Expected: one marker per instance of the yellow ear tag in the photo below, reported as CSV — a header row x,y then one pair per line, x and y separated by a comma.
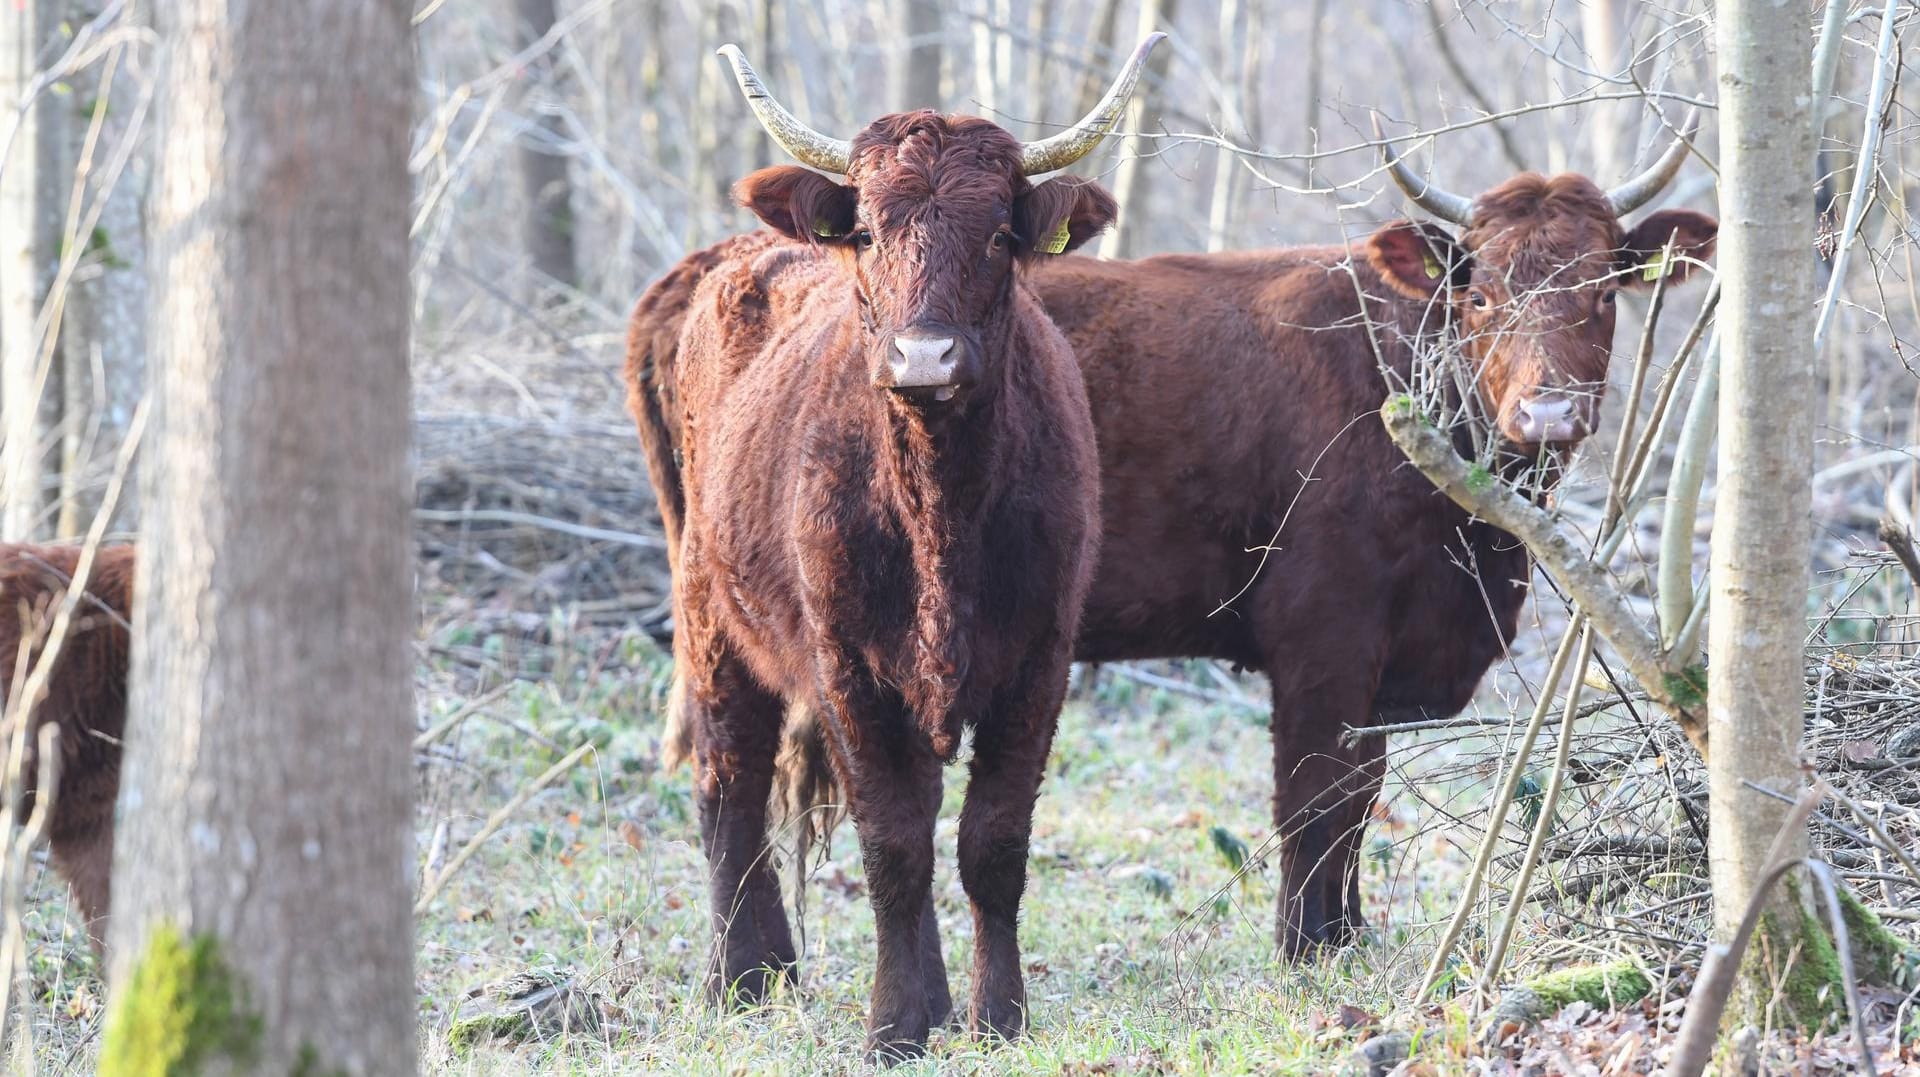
x,y
1656,266
1057,242
1433,266
824,229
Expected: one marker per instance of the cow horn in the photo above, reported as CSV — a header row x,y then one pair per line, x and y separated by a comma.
x,y
805,144
1055,152
1640,190
1442,203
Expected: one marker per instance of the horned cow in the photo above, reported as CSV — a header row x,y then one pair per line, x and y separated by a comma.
x,y
1256,511
884,486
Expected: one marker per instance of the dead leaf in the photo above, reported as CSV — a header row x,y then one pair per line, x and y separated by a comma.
x,y
631,833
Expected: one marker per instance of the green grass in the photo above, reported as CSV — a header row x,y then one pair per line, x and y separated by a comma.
x,y
1146,951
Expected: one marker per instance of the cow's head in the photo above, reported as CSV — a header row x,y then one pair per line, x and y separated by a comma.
x,y
935,218
1532,278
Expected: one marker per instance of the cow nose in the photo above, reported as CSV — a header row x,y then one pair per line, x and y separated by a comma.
x,y
922,362
1546,420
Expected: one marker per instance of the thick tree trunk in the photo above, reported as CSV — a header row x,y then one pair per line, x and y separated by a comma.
x,y
1761,531
32,195
549,228
265,837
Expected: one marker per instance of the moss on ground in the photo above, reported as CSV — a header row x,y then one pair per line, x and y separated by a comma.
x,y
1603,987
182,1009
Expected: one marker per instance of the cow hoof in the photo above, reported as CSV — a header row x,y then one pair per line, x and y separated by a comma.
x,y
885,1050
899,1037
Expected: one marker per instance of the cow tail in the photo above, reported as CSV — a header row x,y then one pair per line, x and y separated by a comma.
x,y
806,795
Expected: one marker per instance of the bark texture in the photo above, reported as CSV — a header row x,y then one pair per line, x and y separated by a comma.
x,y
1761,531
262,874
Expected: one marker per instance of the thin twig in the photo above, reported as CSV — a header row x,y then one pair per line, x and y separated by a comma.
x,y
494,823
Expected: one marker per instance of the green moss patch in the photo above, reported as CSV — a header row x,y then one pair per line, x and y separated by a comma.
x,y
1604,987
182,1009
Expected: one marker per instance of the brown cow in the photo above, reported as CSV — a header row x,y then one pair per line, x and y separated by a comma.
x,y
85,699
1255,510
1221,383
886,508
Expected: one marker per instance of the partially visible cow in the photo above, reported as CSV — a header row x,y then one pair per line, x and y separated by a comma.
x,y
1234,397
85,700
882,495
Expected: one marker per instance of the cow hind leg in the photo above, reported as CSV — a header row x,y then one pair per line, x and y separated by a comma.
x,y
85,861
736,732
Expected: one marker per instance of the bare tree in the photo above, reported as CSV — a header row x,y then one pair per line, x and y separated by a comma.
x,y
548,228
103,342
31,196
917,84
1762,529
1131,187
262,874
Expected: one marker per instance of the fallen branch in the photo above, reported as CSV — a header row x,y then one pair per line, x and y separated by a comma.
x,y
1677,690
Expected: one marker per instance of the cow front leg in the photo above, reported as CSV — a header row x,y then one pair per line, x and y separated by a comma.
x,y
1319,799
896,844
736,726
933,964
996,825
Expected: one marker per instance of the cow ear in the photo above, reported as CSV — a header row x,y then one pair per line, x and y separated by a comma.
x,y
1418,259
1644,258
798,202
1061,214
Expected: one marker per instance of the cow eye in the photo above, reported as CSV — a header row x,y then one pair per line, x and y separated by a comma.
x,y
1478,298
999,240
1607,296
863,239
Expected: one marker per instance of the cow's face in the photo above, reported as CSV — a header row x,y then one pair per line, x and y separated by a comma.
x,y
933,222
1532,283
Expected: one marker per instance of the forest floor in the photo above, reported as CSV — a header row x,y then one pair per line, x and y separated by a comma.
x,y
1146,951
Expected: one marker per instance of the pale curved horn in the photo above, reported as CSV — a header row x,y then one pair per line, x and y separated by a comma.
x,y
1436,200
1058,151
805,144
1640,190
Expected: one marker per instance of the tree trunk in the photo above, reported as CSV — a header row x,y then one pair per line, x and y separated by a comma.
x,y
263,863
549,227
1761,533
918,83
1126,237
32,195
1603,33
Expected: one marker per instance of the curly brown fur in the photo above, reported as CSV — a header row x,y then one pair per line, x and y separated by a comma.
x,y
85,699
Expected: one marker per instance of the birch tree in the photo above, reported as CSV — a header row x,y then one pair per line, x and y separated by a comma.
x,y
262,875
